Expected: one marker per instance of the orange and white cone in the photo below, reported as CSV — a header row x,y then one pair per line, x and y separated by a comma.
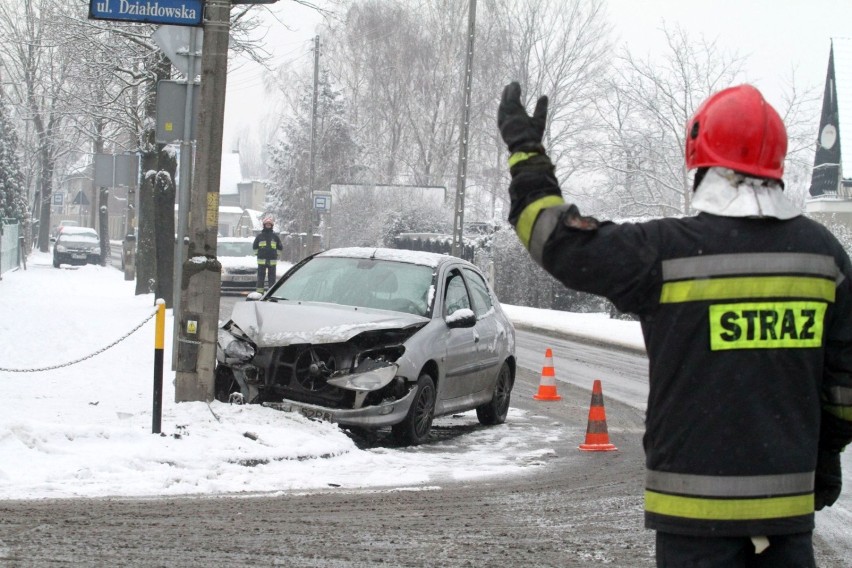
x,y
597,437
547,385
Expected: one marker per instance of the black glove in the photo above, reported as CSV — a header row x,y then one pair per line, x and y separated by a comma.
x,y
520,131
829,479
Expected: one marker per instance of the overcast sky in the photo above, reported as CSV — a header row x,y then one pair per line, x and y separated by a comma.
x,y
777,36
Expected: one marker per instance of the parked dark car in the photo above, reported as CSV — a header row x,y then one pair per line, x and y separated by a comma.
x,y
370,338
76,245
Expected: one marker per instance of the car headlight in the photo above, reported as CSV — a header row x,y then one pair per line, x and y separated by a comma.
x,y
96,250
366,381
60,248
234,348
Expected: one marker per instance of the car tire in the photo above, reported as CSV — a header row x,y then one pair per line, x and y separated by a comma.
x,y
495,410
415,428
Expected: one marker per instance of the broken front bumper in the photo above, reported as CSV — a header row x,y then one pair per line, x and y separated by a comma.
x,y
374,416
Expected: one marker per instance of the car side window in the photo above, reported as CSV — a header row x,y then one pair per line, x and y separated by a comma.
x,y
479,291
456,297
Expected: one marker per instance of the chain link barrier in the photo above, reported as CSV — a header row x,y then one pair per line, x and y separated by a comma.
x,y
98,352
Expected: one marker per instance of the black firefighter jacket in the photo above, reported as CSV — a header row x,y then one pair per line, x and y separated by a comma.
x,y
748,329
267,244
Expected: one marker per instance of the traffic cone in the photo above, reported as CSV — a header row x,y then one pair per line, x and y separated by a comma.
x,y
597,438
547,385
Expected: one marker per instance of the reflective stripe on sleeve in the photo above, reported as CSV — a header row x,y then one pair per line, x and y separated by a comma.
x,y
842,412
740,288
840,396
544,225
528,217
518,157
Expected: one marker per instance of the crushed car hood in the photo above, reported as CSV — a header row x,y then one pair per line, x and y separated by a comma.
x,y
277,324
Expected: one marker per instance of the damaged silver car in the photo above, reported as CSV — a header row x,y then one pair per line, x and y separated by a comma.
x,y
370,338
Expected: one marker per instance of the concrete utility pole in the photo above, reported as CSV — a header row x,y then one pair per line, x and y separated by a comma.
x,y
200,283
458,218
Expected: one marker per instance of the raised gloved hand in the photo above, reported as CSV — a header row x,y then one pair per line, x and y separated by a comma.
x,y
520,131
829,479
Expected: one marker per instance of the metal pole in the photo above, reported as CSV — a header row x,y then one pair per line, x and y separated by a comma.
x,y
184,189
458,218
159,335
310,205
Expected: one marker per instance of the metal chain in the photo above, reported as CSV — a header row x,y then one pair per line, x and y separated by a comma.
x,y
98,352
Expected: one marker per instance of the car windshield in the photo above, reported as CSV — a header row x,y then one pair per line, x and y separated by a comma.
x,y
243,248
360,282
78,239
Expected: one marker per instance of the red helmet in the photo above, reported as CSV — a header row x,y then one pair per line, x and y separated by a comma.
x,y
736,128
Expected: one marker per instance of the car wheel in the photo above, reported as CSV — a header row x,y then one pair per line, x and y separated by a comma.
x,y
494,411
415,428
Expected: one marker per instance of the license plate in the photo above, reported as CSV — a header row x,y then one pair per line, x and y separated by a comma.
x,y
246,278
313,413
78,256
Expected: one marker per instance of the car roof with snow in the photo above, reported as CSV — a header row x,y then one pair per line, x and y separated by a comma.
x,y
432,259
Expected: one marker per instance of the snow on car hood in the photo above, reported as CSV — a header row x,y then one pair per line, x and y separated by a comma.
x,y
276,324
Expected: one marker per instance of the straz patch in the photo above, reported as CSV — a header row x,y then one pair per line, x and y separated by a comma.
x,y
766,325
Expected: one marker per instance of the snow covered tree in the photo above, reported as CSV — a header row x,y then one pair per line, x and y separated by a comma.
x,y
13,199
336,156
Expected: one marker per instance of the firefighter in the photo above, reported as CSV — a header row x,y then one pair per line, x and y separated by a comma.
x,y
746,312
266,246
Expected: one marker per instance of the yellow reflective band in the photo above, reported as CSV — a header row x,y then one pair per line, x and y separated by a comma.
x,y
766,325
520,157
843,412
729,509
526,222
748,287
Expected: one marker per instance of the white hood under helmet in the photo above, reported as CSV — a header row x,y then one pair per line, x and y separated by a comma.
x,y
727,193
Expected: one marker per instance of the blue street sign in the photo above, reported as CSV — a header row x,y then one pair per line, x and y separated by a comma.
x,y
174,12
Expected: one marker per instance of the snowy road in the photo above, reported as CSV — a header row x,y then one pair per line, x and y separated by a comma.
x,y
625,378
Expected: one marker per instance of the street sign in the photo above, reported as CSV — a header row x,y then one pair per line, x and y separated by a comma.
x,y
171,112
174,12
175,42
112,170
322,201
58,198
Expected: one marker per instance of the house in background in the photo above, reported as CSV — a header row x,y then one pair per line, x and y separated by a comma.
x,y
234,190
831,181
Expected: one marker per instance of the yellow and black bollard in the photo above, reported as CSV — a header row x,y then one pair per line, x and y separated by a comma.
x,y
159,340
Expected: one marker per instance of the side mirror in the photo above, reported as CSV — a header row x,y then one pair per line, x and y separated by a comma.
x,y
53,239
461,318
253,296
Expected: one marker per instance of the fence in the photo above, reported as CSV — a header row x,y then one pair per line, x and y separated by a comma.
x,y
10,249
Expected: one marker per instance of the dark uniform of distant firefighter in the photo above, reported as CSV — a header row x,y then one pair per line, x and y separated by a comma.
x,y
266,244
746,312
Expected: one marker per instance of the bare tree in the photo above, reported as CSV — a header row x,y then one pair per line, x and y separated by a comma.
x,y
38,63
644,115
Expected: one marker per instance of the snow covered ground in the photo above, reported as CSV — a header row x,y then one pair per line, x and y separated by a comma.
x,y
77,419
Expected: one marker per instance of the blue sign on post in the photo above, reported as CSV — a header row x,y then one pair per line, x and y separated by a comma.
x,y
174,12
